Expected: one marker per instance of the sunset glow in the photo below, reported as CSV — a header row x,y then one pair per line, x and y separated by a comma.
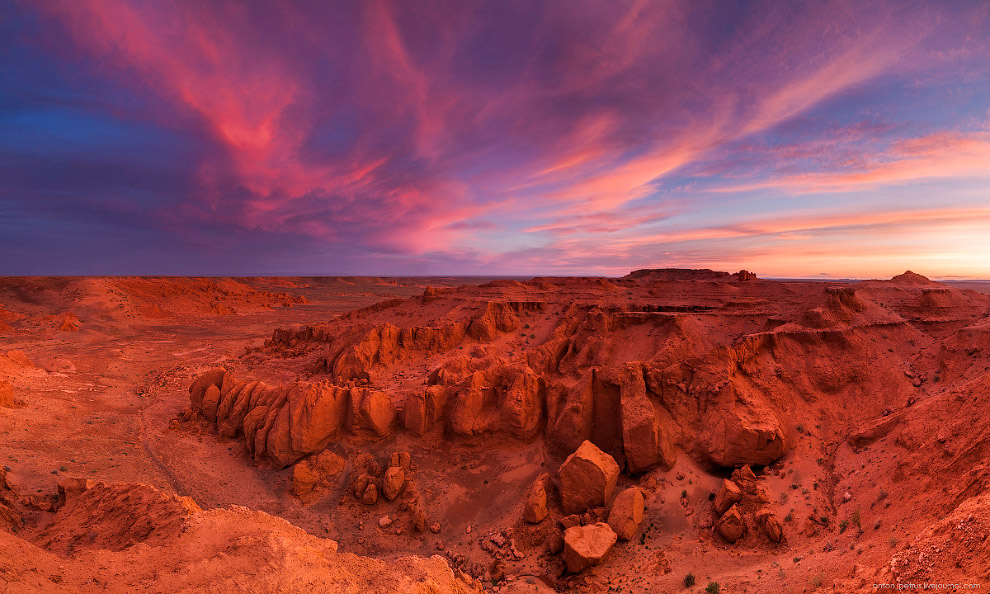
x,y
837,139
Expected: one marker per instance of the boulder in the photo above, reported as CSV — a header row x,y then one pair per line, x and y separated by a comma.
x,y
317,471
587,478
585,546
626,515
418,517
770,524
361,484
395,477
731,525
327,464
536,501
727,496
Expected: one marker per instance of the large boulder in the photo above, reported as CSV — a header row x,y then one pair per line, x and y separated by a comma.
x,y
731,525
587,479
728,495
585,546
626,515
741,428
536,501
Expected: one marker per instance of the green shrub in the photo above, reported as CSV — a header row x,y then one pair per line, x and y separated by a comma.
x,y
689,580
713,588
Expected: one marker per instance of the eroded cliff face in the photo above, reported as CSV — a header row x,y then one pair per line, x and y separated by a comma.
x,y
647,367
727,371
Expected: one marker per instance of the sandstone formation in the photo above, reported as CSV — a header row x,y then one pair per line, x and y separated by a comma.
x,y
585,546
587,479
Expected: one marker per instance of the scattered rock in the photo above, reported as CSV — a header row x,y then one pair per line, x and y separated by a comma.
x,y
772,528
587,478
370,496
731,525
569,521
536,501
585,546
728,495
626,514
435,527
361,484
384,522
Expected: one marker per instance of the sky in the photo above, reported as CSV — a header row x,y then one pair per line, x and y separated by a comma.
x,y
795,139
